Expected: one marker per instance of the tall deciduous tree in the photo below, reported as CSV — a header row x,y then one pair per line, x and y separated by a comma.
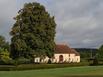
x,y
33,32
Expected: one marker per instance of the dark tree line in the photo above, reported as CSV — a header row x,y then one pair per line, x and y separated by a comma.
x,y
87,53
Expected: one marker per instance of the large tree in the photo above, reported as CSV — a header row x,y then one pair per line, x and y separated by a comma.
x,y
33,32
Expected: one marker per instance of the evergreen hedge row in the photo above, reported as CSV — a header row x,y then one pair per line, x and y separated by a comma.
x,y
38,66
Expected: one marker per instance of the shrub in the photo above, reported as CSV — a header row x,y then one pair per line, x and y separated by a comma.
x,y
22,60
49,61
95,61
6,61
5,56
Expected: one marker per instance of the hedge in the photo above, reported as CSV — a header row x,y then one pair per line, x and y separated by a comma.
x,y
38,66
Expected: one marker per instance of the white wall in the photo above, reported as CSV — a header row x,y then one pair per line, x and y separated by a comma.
x,y
56,56
45,60
77,59
37,60
66,58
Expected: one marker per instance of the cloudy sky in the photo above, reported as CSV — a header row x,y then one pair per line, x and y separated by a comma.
x,y
79,22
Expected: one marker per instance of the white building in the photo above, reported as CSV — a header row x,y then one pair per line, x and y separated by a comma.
x,y
63,54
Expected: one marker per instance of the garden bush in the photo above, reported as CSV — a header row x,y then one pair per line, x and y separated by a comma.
x,y
5,61
22,60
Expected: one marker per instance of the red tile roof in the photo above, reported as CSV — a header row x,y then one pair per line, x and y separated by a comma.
x,y
64,49
76,53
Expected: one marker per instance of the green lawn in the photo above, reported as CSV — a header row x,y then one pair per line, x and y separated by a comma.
x,y
84,71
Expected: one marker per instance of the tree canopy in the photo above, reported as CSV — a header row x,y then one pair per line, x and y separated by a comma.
x,y
4,51
33,32
3,43
100,53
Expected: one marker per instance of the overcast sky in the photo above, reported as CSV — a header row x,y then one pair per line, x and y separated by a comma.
x,y
79,22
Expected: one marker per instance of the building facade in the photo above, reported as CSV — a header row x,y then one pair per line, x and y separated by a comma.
x,y
65,54
62,54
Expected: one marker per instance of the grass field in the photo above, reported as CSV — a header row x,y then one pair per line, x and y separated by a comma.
x,y
84,71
